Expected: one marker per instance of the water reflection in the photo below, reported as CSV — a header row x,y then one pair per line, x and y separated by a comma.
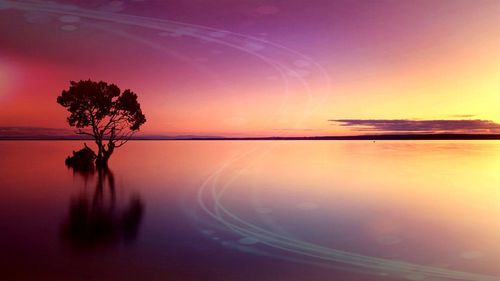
x,y
96,219
351,211
216,199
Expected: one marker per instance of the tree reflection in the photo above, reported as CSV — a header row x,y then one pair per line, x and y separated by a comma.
x,y
96,219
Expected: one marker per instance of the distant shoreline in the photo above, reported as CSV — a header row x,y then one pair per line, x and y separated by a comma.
x,y
358,137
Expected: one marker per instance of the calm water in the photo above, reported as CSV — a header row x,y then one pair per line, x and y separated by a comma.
x,y
223,210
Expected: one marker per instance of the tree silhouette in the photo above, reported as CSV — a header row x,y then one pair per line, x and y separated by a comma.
x,y
102,111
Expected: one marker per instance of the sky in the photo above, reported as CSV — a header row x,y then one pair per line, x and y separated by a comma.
x,y
241,68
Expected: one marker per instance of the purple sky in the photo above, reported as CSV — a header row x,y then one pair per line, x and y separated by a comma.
x,y
255,68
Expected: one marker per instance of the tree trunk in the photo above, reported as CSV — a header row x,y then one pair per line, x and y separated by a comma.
x,y
100,149
99,161
105,155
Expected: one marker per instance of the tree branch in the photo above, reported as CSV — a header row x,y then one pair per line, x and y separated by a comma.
x,y
123,140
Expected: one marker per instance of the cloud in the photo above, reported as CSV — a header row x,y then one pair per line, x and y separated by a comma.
x,y
33,132
420,126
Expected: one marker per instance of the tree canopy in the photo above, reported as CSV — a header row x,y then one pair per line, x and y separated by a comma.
x,y
105,113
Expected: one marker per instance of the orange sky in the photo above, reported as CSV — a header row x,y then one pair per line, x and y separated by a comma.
x,y
245,69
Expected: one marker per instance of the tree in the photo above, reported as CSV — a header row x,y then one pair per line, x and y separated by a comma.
x,y
102,111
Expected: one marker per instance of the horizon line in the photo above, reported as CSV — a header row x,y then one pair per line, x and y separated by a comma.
x,y
412,136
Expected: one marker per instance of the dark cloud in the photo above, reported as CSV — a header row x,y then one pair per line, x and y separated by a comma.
x,y
420,126
33,132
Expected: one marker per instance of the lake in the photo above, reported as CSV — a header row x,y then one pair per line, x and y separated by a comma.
x,y
253,210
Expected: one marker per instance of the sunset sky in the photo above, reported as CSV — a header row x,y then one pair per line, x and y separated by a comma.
x,y
259,67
